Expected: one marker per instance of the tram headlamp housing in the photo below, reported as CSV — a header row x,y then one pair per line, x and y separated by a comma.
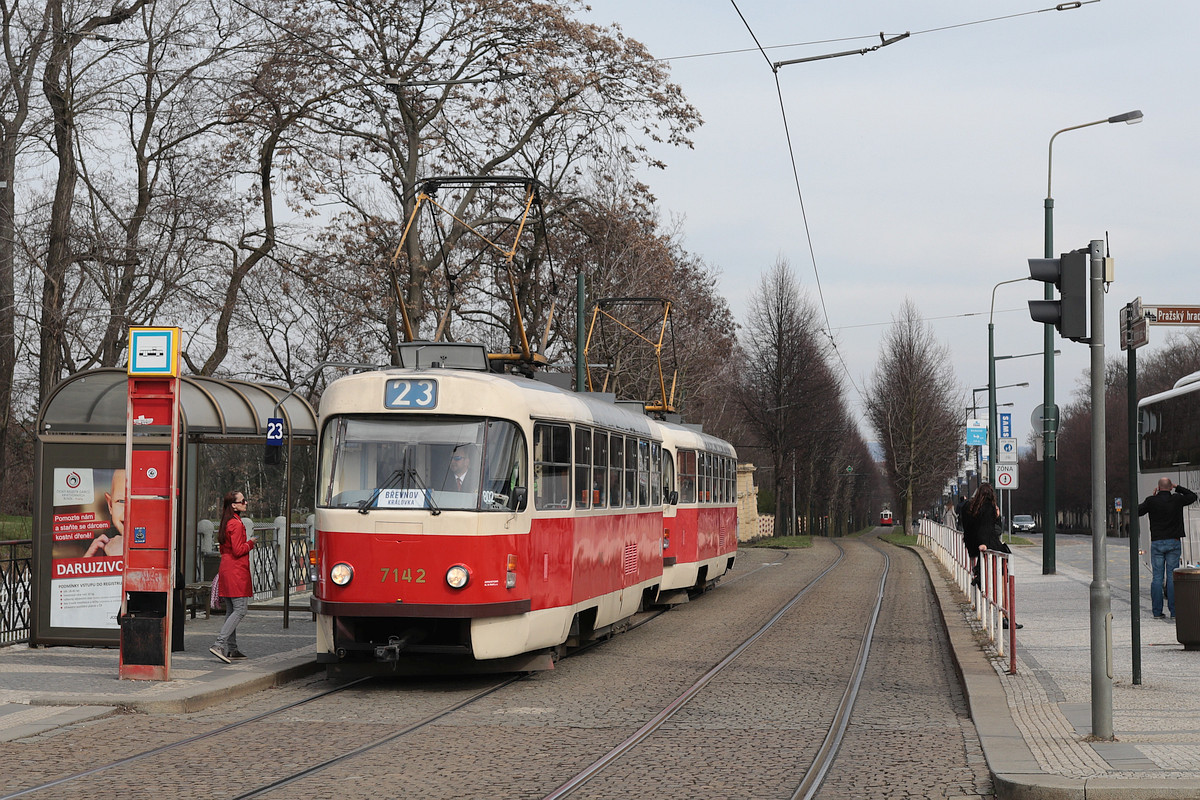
x,y
341,573
457,576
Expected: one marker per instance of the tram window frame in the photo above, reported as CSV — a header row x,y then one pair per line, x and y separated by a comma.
x,y
631,449
643,465
583,467
656,496
616,447
552,466
687,476
600,469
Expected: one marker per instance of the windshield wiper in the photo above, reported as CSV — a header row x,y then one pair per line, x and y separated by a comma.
x,y
416,478
390,483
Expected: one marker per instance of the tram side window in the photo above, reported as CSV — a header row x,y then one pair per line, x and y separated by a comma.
x,y
655,474
730,480
583,466
617,459
600,469
706,477
551,466
718,479
643,464
668,476
630,472
687,476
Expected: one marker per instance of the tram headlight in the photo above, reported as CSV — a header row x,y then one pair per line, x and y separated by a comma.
x,y
457,576
341,573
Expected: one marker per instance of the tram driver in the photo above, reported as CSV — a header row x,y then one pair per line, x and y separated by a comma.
x,y
460,477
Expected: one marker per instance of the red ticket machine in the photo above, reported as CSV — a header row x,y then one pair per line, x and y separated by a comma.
x,y
151,456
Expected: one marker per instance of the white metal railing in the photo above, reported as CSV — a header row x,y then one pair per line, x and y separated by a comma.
x,y
993,598
270,569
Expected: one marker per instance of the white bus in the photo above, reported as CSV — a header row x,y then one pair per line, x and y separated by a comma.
x,y
1169,445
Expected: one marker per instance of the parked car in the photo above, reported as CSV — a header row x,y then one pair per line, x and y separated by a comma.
x,y
1022,523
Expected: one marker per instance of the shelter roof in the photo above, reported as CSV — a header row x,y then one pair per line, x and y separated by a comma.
x,y
96,402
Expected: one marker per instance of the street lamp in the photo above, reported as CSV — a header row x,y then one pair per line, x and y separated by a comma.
x,y
1049,417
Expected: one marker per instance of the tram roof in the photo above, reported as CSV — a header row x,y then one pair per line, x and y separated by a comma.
x,y
489,394
690,436
96,402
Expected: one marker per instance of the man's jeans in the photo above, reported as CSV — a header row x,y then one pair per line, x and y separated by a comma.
x,y
1164,557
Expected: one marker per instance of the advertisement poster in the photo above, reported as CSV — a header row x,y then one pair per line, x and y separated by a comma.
x,y
87,547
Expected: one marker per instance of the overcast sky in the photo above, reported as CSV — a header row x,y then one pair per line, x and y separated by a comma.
x,y
923,165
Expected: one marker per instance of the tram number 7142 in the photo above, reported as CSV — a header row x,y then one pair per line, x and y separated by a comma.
x,y
406,575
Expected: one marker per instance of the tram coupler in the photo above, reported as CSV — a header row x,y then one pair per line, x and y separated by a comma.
x,y
395,646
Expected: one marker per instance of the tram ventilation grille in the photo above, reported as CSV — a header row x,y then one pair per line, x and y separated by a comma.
x,y
721,537
629,559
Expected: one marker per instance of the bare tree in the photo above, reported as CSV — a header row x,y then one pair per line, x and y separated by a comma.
x,y
25,33
70,25
788,391
912,403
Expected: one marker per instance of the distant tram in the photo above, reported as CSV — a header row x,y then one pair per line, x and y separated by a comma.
x,y
1169,446
885,517
474,521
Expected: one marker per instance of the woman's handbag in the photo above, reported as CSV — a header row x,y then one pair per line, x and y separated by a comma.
x,y
214,598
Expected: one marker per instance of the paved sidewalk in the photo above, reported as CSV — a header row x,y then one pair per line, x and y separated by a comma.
x,y
1035,726
44,688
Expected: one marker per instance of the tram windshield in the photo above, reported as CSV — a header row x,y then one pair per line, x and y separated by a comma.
x,y
463,463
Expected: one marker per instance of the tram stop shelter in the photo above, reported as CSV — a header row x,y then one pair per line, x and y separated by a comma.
x,y
79,490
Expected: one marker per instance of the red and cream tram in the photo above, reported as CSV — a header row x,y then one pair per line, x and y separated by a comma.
x,y
474,520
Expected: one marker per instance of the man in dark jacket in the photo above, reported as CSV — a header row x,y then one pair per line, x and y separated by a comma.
x,y
1165,508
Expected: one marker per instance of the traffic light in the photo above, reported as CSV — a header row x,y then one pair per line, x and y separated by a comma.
x,y
1069,313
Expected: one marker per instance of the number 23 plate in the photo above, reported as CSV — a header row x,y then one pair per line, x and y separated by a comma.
x,y
405,393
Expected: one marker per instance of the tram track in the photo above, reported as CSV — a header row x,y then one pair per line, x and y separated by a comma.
x,y
354,750
826,753
641,619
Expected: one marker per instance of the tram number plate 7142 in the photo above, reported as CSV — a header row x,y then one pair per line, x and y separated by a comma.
x,y
399,575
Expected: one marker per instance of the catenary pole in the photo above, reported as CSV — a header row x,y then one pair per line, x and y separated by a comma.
x,y
1099,596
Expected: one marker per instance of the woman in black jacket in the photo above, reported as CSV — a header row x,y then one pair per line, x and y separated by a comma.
x,y
979,529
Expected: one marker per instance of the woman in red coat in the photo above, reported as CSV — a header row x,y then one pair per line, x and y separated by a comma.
x,y
233,578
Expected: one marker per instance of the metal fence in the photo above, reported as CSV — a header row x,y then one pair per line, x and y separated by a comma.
x,y
267,563
16,571
993,598
16,587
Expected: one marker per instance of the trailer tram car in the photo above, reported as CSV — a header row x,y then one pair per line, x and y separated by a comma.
x,y
563,526
1169,446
